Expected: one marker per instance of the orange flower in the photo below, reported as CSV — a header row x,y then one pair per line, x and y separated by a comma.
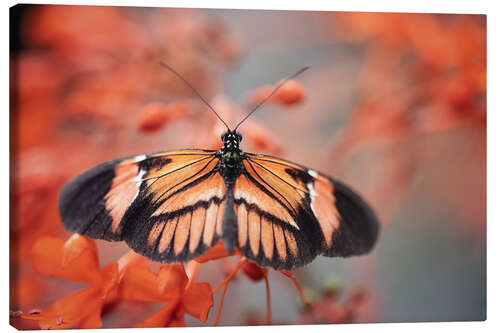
x,y
155,115
75,260
172,285
253,271
291,93
218,251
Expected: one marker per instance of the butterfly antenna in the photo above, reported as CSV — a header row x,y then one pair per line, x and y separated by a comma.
x,y
195,91
272,93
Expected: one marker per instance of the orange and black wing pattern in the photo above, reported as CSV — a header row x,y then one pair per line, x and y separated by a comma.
x,y
167,206
287,214
175,205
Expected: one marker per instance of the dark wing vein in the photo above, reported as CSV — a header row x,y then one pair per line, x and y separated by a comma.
x,y
182,181
281,195
84,231
283,180
287,164
154,155
180,168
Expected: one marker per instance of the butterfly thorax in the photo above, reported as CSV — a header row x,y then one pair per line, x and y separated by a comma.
x,y
230,155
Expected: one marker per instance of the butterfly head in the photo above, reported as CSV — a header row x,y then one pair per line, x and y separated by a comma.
x,y
231,140
231,149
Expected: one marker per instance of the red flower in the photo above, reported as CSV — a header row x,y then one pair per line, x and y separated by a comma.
x,y
75,260
171,285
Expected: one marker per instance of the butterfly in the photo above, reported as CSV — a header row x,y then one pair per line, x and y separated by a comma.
x,y
173,206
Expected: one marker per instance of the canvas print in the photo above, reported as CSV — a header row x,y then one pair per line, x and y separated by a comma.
x,y
200,167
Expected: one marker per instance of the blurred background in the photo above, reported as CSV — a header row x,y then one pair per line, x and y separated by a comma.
x,y
394,105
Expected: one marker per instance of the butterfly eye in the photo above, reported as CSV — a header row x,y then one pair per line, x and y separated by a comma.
x,y
240,137
224,135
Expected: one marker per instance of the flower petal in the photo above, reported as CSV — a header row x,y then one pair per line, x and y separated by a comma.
x,y
253,271
71,310
138,283
160,318
131,258
177,319
45,255
80,248
92,321
171,277
217,251
54,257
198,300
110,279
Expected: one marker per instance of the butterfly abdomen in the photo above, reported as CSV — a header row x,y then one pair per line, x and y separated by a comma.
x,y
229,224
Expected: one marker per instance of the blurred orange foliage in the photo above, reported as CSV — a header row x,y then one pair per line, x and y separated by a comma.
x,y
155,115
292,92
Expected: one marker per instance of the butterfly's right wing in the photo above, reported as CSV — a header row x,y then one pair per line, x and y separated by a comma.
x,y
167,206
287,214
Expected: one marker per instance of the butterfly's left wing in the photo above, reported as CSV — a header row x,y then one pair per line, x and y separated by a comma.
x,y
167,206
287,214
